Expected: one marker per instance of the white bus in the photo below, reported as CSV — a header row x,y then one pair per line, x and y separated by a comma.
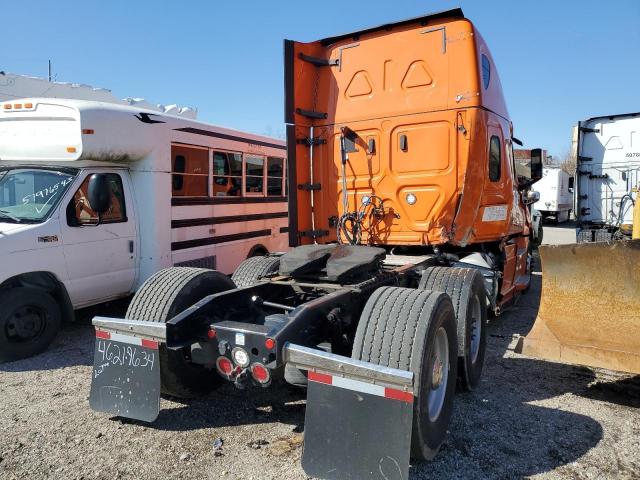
x,y
181,193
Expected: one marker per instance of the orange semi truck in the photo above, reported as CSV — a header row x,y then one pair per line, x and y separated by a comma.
x,y
409,223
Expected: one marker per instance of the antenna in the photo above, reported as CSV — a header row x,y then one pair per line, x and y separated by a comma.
x,y
49,69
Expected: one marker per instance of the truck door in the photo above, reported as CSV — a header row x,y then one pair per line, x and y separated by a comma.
x,y
100,258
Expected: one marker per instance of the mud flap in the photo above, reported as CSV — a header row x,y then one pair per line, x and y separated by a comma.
x,y
126,376
358,417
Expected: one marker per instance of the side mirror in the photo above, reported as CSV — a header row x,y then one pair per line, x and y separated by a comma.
x,y
531,197
99,193
536,164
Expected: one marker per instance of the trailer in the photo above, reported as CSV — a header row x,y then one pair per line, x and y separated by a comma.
x,y
608,171
409,224
556,194
180,193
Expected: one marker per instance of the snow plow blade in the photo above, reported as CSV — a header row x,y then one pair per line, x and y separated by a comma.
x,y
590,306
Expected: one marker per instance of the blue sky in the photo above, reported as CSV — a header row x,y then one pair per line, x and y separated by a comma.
x,y
559,61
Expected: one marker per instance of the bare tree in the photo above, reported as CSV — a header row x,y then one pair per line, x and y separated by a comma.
x,y
567,161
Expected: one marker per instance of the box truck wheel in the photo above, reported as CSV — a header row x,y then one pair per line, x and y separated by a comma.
x,y
465,286
160,298
415,330
252,269
29,321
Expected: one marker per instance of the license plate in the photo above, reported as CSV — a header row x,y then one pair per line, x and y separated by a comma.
x,y
126,376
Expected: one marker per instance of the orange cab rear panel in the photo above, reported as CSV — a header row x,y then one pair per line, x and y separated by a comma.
x,y
425,103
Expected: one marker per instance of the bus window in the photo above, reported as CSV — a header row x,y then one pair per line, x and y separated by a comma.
x,y
227,174
189,171
254,172
275,170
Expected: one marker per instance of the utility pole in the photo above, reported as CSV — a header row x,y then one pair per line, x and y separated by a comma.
x,y
49,69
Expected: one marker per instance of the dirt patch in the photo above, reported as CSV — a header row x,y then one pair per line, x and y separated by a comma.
x,y
528,419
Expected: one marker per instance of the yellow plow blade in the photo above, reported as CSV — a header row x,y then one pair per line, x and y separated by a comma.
x,y
590,306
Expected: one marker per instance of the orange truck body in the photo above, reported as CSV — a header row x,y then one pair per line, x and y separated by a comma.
x,y
425,101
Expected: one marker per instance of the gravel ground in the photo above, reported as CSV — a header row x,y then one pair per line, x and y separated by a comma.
x,y
528,419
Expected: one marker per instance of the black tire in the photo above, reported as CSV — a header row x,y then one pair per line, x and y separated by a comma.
x,y
538,241
397,329
159,299
252,269
29,321
466,288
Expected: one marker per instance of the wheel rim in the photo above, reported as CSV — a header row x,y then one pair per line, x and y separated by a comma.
x,y
439,366
476,329
26,324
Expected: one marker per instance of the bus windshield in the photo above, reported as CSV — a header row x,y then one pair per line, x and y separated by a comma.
x,y
28,195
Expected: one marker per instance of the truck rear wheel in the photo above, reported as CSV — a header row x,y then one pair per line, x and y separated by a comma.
x,y
29,321
159,299
252,269
414,330
465,286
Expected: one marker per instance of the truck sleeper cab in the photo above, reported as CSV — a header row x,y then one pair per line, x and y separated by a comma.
x,y
163,177
408,221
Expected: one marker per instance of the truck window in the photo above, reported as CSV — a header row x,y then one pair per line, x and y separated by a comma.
x,y
81,213
254,174
494,159
486,71
275,169
189,172
227,174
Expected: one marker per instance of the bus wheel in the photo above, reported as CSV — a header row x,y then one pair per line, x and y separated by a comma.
x,y
29,321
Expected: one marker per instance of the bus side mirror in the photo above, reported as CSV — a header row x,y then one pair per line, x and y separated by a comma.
x,y
99,193
536,164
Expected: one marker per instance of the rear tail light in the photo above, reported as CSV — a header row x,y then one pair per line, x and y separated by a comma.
x,y
260,373
224,366
211,333
270,343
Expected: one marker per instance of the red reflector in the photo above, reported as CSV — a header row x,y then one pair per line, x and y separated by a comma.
x,y
150,344
224,366
270,343
398,395
103,334
88,131
211,333
260,373
320,377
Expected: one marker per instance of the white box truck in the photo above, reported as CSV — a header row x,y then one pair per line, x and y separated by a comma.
x,y
556,194
96,197
608,171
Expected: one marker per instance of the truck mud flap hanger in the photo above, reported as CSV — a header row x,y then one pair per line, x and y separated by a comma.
x,y
358,416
